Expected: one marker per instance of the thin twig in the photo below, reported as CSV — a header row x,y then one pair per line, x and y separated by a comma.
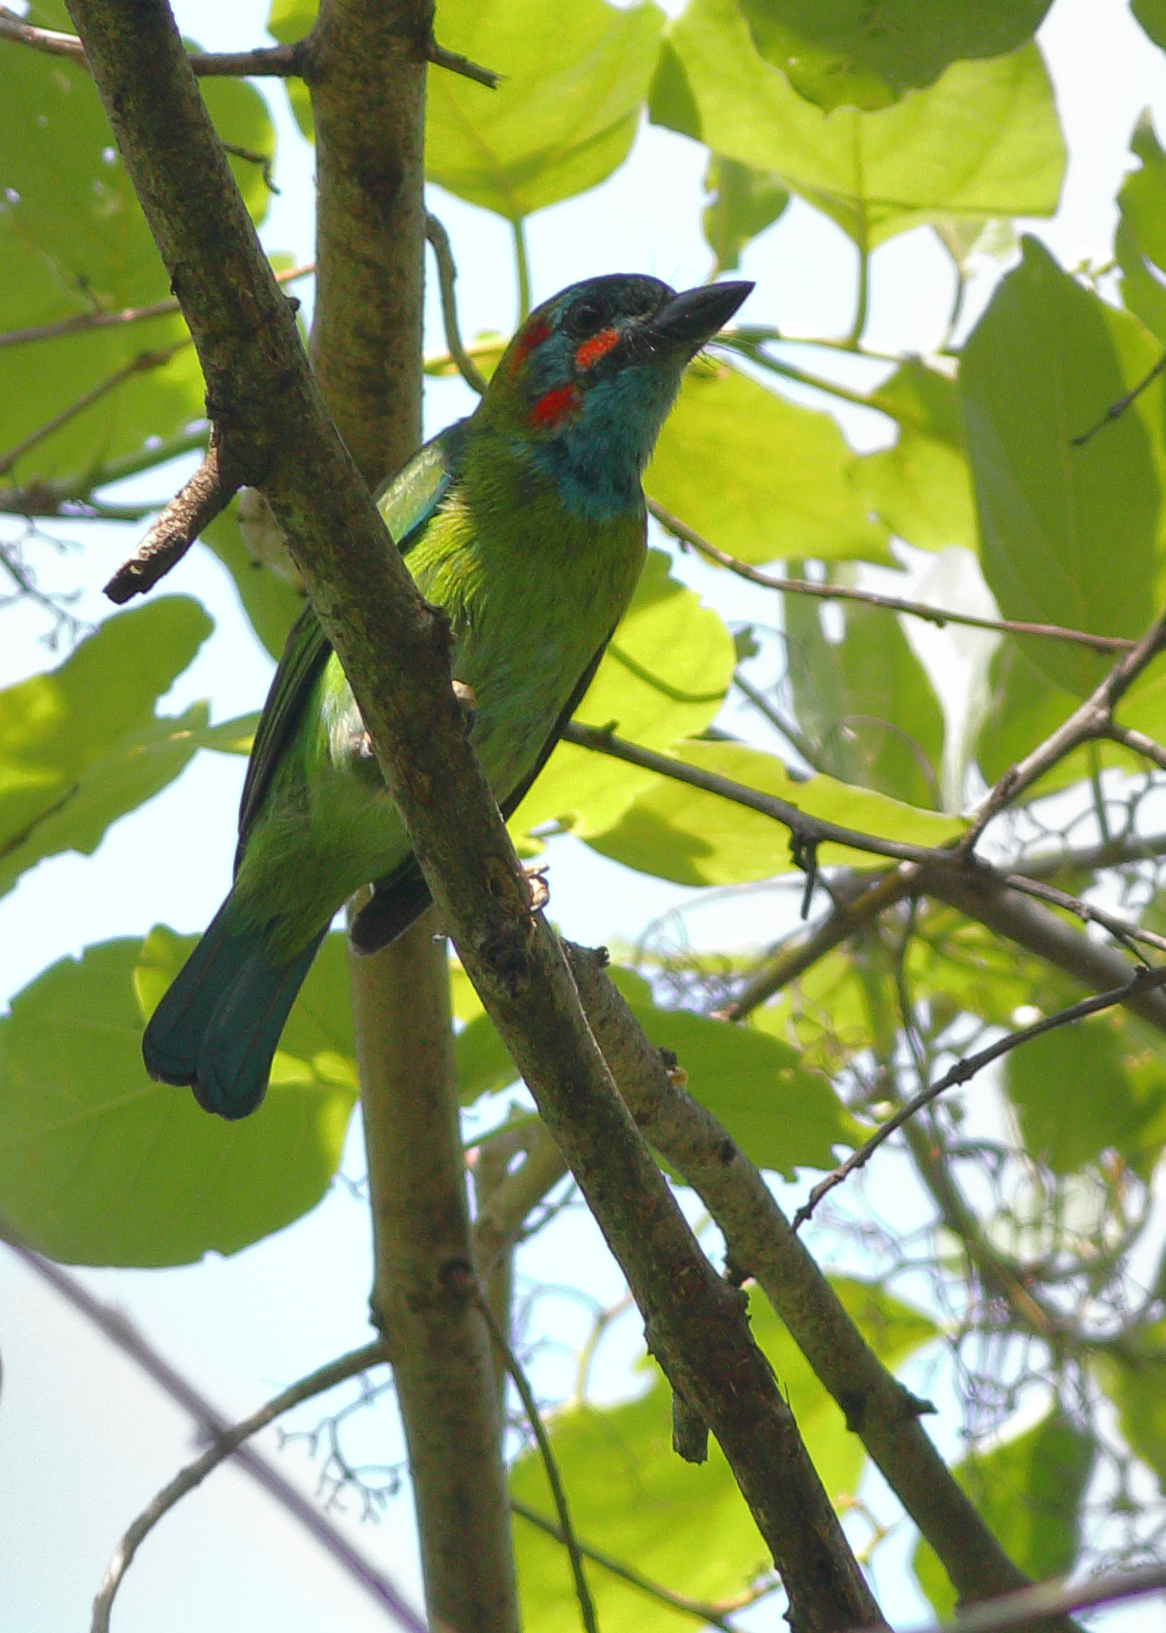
x,y
1046,1600
1143,981
326,1377
554,1480
447,277
137,365
1117,409
209,491
265,161
713,1615
912,609
1093,719
121,1332
457,64
84,321
806,831
270,61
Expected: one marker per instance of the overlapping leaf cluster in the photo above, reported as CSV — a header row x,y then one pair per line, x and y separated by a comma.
x,y
1000,445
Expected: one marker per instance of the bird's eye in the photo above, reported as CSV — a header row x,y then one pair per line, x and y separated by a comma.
x,y
585,318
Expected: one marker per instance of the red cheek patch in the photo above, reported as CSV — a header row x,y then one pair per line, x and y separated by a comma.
x,y
554,407
598,346
536,331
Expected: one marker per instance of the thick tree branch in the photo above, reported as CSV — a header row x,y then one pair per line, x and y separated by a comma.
x,y
422,1253
1042,1604
761,1243
394,651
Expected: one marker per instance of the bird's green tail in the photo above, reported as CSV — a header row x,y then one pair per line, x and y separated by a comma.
x,y
218,1026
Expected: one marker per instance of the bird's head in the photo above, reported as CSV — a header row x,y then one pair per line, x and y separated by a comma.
x,y
585,385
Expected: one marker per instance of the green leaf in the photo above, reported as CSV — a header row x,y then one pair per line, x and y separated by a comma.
x,y
1134,1378
1041,367
742,203
81,745
693,838
663,677
272,605
921,489
681,1523
98,1165
1141,233
855,53
575,76
865,702
1115,1105
781,486
1152,16
982,142
72,239
1029,1491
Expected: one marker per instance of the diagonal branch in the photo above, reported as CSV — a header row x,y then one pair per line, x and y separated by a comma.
x,y
1045,1601
761,1243
394,650
1143,981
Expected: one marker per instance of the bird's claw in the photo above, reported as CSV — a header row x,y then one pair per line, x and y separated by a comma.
x,y
540,891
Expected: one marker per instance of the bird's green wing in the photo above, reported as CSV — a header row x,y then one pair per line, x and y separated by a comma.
x,y
406,502
402,896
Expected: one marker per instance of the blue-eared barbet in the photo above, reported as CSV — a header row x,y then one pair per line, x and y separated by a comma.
x,y
526,524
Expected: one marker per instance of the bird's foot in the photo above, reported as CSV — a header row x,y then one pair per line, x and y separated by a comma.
x,y
540,891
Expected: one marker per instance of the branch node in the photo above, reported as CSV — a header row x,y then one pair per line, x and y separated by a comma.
x,y
457,64
690,1434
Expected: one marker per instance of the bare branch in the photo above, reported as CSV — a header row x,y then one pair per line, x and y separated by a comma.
x,y
502,1214
209,491
327,1377
868,598
550,1466
84,321
760,1243
1143,981
447,277
1047,1600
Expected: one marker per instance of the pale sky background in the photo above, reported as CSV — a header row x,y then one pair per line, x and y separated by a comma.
x,y
84,1440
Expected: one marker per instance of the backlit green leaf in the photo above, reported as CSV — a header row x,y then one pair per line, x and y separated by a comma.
x,y
742,203
1134,1378
865,702
982,141
575,76
99,1165
81,745
1042,367
1141,233
781,485
270,602
694,838
854,53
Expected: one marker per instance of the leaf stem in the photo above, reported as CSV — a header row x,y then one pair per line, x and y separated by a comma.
x,y
522,269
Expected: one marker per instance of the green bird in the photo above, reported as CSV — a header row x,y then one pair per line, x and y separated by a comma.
x,y
526,524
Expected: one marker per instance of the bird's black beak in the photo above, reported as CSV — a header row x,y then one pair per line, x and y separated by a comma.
x,y
693,317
